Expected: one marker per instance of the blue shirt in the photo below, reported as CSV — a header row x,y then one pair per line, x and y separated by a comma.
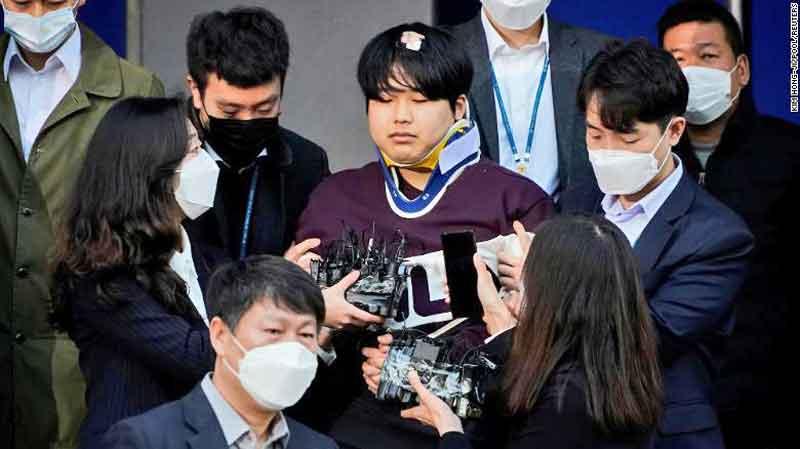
x,y
634,220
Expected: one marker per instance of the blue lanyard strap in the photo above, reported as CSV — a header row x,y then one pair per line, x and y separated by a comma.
x,y
534,114
248,214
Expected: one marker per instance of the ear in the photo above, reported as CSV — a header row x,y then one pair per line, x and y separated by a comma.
x,y
743,70
676,130
461,107
194,90
218,335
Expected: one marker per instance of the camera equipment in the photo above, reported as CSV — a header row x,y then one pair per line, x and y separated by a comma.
x,y
381,283
461,384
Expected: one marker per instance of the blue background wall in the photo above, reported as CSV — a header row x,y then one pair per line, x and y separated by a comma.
x,y
767,33
108,19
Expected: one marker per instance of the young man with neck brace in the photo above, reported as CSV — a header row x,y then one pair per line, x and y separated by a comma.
x,y
527,69
265,319
57,80
428,178
692,250
751,163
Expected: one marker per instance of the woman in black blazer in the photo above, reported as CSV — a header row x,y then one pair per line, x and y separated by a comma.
x,y
580,365
127,287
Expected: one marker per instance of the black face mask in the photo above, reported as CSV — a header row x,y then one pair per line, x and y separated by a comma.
x,y
239,142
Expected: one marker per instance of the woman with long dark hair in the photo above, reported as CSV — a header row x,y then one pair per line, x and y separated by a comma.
x,y
582,367
127,287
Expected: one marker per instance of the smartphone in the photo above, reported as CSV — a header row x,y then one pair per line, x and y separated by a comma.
x,y
462,279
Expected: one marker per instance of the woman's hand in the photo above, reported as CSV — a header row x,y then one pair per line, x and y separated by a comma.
x,y
372,366
431,410
496,314
509,266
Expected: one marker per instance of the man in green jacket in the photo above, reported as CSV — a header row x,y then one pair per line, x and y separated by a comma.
x,y
58,79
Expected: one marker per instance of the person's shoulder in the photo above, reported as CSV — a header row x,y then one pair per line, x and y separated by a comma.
x,y
581,33
504,182
304,437
303,149
713,223
590,40
580,198
713,212
466,29
122,280
156,428
782,130
136,80
351,180
136,75
492,171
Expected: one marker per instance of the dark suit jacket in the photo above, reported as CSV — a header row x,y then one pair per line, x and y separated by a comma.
x,y
135,355
286,178
571,51
190,423
693,258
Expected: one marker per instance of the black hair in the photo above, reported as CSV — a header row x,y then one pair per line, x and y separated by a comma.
x,y
236,286
634,81
705,11
122,215
584,303
440,70
246,47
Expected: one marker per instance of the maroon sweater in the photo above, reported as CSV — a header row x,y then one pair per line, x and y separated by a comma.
x,y
485,198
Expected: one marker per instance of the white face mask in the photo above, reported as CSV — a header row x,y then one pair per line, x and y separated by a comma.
x,y
623,172
197,185
709,93
516,14
276,375
40,34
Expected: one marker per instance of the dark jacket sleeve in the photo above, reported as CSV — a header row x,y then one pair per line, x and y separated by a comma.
x,y
698,295
139,325
454,440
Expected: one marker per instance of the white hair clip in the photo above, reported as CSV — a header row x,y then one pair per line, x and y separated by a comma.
x,y
412,40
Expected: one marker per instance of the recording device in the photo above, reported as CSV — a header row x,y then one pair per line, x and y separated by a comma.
x,y
462,278
382,279
460,383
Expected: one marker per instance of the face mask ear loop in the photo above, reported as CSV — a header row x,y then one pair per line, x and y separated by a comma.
x,y
241,348
655,149
740,89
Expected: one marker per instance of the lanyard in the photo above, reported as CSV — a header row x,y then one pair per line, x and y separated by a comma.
x,y
534,114
248,214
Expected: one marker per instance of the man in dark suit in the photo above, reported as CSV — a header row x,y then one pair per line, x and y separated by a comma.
x,y
751,163
237,71
692,249
264,325
534,62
